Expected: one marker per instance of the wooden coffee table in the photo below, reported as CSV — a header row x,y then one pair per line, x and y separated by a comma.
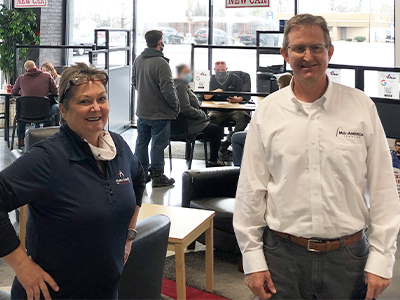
x,y
187,224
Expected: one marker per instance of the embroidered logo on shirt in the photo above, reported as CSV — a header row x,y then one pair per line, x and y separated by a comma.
x,y
348,134
122,179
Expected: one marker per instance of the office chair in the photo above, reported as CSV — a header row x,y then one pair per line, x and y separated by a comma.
x,y
180,133
31,110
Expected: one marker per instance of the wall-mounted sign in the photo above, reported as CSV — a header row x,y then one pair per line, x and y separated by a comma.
x,y
30,3
246,3
388,85
202,80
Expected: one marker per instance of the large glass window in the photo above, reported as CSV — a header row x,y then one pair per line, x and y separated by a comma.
x,y
239,26
92,14
179,22
362,30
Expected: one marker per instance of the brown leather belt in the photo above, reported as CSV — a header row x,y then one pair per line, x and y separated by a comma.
x,y
319,245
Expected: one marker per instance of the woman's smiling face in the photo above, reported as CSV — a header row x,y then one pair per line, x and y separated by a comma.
x,y
88,110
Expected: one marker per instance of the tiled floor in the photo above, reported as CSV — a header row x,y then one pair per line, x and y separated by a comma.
x,y
172,196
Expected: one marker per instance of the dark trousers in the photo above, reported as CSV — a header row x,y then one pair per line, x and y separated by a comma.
x,y
238,141
158,131
240,117
300,274
214,133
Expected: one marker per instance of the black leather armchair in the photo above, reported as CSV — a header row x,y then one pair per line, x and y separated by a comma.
x,y
143,273
214,189
32,136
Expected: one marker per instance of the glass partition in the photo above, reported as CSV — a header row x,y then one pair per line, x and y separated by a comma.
x,y
89,15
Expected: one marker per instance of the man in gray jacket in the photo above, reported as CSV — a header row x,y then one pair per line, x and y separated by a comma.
x,y
157,105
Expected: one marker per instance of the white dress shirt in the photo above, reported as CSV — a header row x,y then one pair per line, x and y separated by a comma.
x,y
323,172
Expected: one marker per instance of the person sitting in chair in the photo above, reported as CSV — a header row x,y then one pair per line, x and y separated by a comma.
x,y
33,83
239,138
198,121
224,81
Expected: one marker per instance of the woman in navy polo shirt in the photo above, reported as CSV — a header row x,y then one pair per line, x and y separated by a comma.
x,y
84,188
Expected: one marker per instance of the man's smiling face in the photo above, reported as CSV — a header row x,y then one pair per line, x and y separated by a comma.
x,y
308,66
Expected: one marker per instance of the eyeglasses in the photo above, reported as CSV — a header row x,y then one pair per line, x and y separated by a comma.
x,y
83,79
220,63
314,48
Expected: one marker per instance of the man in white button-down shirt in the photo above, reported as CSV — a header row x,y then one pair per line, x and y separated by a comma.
x,y
316,173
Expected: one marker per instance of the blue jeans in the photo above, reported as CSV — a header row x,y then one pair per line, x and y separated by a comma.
x,y
238,140
158,132
4,295
54,111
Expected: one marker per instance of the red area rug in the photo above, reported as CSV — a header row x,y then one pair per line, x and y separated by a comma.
x,y
169,290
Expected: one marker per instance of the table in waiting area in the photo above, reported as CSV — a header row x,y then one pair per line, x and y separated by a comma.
x,y
6,117
187,224
225,105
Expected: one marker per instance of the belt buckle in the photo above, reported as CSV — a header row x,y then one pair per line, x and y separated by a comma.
x,y
313,241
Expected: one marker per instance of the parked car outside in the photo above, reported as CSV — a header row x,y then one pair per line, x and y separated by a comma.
x,y
171,35
266,40
220,37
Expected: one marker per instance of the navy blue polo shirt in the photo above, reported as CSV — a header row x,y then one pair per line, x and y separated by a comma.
x,y
78,215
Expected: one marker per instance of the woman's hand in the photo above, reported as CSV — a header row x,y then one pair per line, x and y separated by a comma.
x,y
128,247
34,279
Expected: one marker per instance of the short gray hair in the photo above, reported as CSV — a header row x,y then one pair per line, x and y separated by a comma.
x,y
29,64
305,20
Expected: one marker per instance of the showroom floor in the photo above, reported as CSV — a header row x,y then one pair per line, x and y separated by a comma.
x,y
166,196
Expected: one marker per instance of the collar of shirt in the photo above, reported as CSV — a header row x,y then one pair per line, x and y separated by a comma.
x,y
321,102
76,147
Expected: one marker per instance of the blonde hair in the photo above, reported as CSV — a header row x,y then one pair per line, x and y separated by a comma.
x,y
51,69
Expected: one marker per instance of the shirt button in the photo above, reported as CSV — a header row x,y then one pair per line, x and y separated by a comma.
x,y
312,118
316,193
315,167
313,142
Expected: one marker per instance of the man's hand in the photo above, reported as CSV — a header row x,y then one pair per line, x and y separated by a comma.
x,y
128,247
260,283
235,99
34,279
218,90
376,285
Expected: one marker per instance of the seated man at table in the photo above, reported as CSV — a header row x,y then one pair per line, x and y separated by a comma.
x,y
224,81
34,83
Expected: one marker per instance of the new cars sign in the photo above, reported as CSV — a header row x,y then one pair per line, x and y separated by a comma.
x,y
30,3
246,3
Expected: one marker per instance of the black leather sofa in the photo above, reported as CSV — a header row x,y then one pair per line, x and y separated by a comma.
x,y
214,189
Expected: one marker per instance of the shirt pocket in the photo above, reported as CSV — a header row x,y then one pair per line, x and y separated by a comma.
x,y
349,160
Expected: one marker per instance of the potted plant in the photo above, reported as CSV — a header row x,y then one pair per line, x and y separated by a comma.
x,y
17,26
